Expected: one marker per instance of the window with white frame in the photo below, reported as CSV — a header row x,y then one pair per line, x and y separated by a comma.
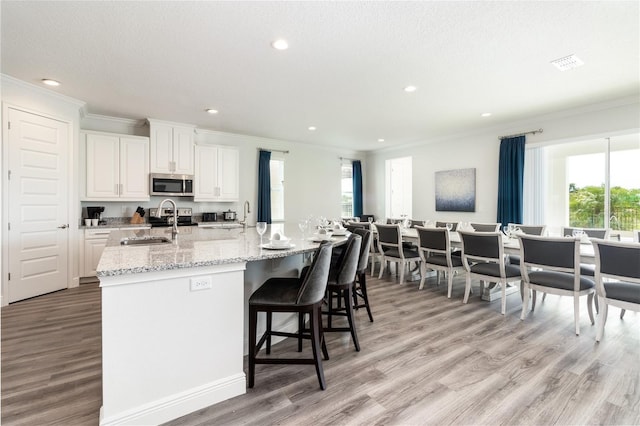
x,y
277,189
346,206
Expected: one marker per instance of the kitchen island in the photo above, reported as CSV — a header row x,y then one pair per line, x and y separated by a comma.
x,y
173,317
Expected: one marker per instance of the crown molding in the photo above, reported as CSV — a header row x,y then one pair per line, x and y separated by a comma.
x,y
7,79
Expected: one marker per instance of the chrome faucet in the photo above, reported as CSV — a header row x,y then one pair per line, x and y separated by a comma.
x,y
246,210
174,229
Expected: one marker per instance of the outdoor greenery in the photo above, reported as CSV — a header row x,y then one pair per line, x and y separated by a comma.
x,y
586,207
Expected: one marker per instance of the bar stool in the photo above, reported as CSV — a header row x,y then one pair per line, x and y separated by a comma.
x,y
360,289
299,295
342,276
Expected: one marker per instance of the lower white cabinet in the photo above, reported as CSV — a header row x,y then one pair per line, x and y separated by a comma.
x,y
217,173
95,241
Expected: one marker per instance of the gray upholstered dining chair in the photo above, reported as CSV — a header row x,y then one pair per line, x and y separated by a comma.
x,y
454,225
434,247
360,288
485,227
602,233
552,265
539,230
617,278
483,258
391,248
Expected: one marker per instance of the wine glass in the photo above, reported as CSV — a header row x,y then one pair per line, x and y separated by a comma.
x,y
261,227
449,226
370,219
303,224
506,229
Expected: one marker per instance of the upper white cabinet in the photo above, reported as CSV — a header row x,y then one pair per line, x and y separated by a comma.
x,y
217,173
117,167
171,148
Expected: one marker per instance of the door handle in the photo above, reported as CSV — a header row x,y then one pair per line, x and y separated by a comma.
x,y
64,226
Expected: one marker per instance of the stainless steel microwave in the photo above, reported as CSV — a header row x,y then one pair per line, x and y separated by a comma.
x,y
174,185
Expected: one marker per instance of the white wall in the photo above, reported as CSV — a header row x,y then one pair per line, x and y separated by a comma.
x,y
480,150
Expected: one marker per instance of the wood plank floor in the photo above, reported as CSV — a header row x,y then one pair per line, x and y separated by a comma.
x,y
425,360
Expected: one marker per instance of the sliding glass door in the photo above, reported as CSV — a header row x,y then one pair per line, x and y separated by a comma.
x,y
588,184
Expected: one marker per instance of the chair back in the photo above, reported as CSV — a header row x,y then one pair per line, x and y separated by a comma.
x,y
352,226
454,225
389,237
315,282
530,229
347,264
365,218
617,260
392,221
600,233
482,246
485,227
433,239
636,235
414,223
559,253
365,246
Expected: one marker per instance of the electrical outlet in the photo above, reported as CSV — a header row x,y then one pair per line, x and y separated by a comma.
x,y
200,283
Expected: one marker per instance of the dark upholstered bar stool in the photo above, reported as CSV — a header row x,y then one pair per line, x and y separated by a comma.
x,y
301,295
360,289
342,276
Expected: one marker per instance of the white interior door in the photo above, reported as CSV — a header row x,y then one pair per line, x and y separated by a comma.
x,y
38,205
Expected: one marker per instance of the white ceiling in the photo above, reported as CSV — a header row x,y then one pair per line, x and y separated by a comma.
x,y
344,72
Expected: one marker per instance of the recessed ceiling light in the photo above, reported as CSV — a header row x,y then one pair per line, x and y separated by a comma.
x,y
280,44
312,128
567,63
50,82
211,111
485,114
410,89
380,140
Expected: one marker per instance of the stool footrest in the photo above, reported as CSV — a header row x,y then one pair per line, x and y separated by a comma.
x,y
285,361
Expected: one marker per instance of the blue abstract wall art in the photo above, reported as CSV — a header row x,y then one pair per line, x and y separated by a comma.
x,y
456,190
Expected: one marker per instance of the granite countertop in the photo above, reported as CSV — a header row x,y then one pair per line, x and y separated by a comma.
x,y
195,247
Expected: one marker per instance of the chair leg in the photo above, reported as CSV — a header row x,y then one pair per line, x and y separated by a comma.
x,y
300,330
253,323
504,297
349,308
525,302
467,289
589,306
595,301
576,313
533,299
363,289
449,284
325,353
401,271
423,275
316,330
622,311
330,310
602,319
269,322
382,265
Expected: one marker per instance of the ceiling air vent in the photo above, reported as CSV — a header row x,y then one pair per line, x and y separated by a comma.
x,y
568,63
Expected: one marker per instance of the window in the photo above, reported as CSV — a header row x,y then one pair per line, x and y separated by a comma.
x,y
277,189
347,190
589,184
398,187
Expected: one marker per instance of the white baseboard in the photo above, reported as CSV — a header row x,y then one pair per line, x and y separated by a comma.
x,y
179,404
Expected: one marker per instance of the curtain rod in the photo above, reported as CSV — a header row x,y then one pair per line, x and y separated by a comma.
x,y
272,150
532,132
350,159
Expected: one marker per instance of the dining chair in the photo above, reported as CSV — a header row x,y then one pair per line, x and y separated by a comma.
x,y
303,295
413,223
552,265
434,247
485,227
539,230
390,246
636,235
602,233
617,278
454,225
483,258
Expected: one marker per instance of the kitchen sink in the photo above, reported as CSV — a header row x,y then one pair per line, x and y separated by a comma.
x,y
142,241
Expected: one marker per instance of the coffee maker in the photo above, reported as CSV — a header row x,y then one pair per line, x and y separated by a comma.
x,y
95,213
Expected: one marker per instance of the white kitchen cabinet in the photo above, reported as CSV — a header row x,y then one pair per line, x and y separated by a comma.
x,y
95,240
171,148
217,173
117,167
